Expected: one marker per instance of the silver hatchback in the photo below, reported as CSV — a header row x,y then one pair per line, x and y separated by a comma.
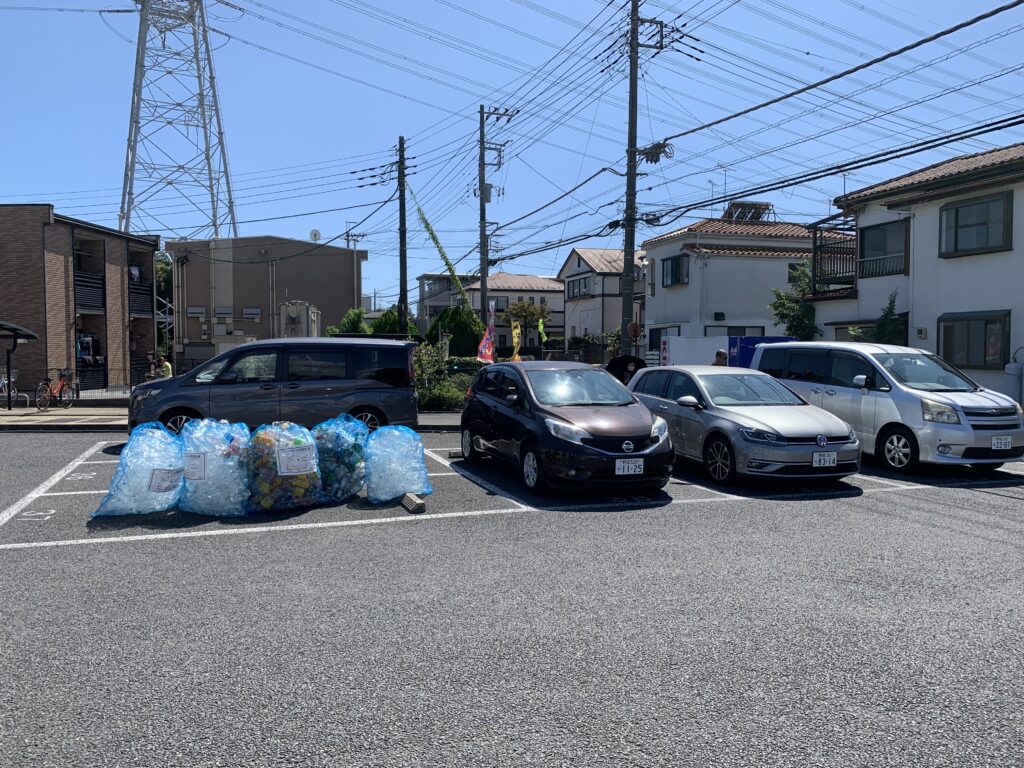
x,y
742,422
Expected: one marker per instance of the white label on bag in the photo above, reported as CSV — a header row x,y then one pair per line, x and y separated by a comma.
x,y
195,466
165,480
300,460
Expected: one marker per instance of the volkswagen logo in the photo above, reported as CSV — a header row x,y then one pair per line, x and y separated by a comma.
x,y
627,446
821,440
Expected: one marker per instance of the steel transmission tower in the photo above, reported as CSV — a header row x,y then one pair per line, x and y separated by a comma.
x,y
176,178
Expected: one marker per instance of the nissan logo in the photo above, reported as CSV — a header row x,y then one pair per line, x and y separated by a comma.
x,y
821,440
627,446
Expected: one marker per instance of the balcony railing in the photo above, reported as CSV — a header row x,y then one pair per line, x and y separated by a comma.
x,y
90,292
834,256
140,299
879,266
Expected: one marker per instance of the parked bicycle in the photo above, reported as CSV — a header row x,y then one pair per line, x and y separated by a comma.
x,y
48,393
8,386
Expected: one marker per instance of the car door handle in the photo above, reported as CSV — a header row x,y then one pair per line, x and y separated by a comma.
x,y
816,391
292,386
268,386
830,391
662,407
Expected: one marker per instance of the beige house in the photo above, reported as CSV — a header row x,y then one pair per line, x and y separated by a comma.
x,y
233,290
504,288
86,290
593,291
437,292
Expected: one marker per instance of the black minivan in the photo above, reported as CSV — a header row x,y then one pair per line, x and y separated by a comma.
x,y
302,380
565,423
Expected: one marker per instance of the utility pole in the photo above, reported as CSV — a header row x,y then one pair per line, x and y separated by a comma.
x,y
403,295
483,194
629,219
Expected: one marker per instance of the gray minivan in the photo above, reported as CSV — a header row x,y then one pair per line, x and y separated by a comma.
x,y
905,404
304,381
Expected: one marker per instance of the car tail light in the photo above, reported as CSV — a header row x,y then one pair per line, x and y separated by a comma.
x,y
469,389
411,371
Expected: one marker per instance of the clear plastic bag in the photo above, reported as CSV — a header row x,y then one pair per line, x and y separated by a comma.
x,y
216,481
282,468
340,447
149,473
395,465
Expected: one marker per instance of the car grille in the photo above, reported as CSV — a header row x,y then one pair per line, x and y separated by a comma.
x,y
614,444
991,427
832,440
989,453
999,410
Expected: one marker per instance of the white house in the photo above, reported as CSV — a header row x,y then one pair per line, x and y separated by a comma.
x,y
593,291
715,277
437,293
949,239
505,288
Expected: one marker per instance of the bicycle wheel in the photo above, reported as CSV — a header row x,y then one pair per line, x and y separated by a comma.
x,y
43,397
67,397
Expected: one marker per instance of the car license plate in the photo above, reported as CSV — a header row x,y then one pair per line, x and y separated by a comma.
x,y
1001,443
824,459
629,466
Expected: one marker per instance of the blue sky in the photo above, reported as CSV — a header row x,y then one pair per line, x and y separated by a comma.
x,y
297,121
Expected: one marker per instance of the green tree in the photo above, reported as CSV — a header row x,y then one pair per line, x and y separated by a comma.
x,y
889,328
165,291
352,322
464,327
388,323
526,314
792,311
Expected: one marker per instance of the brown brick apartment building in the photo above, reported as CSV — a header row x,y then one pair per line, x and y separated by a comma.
x,y
87,290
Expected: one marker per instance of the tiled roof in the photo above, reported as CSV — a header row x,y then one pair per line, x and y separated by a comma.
x,y
736,228
505,281
940,172
605,259
742,250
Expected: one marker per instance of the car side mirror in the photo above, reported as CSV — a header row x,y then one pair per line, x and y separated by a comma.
x,y
512,400
228,377
864,382
689,401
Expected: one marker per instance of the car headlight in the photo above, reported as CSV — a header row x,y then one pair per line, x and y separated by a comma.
x,y
659,429
852,434
1020,411
940,412
564,431
761,436
143,394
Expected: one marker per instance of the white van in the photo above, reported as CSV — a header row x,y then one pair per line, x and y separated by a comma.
x,y
905,404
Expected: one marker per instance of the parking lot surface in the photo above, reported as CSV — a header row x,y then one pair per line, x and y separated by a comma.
x,y
870,622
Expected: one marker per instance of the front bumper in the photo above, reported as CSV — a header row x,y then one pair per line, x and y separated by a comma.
x,y
795,460
963,444
566,463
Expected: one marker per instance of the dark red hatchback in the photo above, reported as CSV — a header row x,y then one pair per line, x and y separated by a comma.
x,y
565,423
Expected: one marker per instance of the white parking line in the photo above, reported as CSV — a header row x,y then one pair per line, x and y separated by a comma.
x,y
259,529
71,493
104,461
46,485
437,458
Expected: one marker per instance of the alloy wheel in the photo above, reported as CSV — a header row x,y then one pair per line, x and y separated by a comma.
x,y
898,451
175,423
531,470
719,461
370,419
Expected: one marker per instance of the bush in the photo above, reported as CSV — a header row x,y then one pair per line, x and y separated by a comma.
x,y
465,328
464,365
461,381
443,396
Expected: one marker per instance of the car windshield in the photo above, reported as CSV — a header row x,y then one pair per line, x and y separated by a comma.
x,y
924,372
747,389
210,371
583,386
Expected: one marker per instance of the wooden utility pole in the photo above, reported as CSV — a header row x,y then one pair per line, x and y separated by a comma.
x,y
482,193
629,218
403,294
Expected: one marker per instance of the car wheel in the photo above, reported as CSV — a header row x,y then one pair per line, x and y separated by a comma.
x,y
532,470
371,418
175,420
469,451
720,461
899,450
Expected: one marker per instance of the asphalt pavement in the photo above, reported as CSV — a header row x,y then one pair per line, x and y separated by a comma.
x,y
873,622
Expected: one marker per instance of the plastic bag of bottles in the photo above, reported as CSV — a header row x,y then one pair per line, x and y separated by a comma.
x,y
340,447
282,468
215,458
395,465
149,473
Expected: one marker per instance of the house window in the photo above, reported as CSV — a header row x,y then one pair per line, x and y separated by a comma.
x,y
654,339
734,330
975,339
543,300
519,299
500,303
532,300
883,250
578,287
981,225
675,270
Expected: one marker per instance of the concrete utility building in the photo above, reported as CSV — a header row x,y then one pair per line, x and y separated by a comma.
x,y
231,290
87,290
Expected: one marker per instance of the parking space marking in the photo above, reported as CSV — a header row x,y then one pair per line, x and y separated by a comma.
x,y
47,484
441,474
262,529
71,493
103,461
430,453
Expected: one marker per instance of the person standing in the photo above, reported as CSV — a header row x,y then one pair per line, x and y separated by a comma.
x,y
163,368
721,358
